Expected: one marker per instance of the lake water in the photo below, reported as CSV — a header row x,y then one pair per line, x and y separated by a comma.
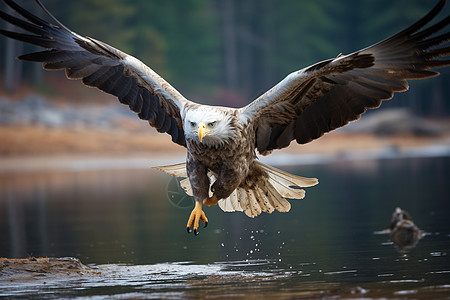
x,y
123,225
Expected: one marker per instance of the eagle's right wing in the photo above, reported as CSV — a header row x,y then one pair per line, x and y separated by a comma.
x,y
102,66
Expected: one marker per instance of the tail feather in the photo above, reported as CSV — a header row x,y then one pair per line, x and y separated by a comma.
x,y
178,170
286,178
186,185
254,207
235,202
264,200
226,206
241,195
280,204
231,204
287,191
267,195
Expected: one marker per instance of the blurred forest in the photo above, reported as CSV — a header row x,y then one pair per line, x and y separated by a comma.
x,y
229,52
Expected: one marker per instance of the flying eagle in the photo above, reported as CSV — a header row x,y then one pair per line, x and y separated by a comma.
x,y
222,143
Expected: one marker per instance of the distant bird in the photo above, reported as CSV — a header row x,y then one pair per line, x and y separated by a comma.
x,y
404,233
222,143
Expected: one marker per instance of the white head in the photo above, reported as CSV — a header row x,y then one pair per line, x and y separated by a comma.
x,y
208,125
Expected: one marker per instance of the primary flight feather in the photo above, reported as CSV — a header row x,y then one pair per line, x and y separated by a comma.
x,y
222,143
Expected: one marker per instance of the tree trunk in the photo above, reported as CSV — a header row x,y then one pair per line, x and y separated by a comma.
x,y
12,70
230,44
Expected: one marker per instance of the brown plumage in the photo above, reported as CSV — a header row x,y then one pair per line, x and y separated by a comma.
x,y
222,143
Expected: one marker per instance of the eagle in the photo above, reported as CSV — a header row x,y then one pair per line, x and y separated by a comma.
x,y
223,143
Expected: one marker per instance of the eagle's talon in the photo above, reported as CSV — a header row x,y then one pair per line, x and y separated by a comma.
x,y
206,225
197,214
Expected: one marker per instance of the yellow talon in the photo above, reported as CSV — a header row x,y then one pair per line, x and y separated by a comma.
x,y
211,201
197,214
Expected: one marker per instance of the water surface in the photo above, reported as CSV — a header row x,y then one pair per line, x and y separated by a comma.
x,y
123,224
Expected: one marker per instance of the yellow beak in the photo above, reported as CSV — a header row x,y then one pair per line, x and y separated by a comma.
x,y
202,131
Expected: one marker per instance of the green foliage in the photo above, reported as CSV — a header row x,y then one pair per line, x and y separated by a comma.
x,y
172,37
303,33
192,46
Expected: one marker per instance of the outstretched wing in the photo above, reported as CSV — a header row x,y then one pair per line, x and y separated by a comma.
x,y
102,66
331,93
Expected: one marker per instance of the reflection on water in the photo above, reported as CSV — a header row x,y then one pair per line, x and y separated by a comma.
x,y
123,223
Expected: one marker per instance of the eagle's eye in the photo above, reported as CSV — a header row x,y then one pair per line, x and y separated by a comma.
x,y
212,124
192,124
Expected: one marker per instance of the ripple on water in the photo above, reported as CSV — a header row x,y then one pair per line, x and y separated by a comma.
x,y
176,280
172,278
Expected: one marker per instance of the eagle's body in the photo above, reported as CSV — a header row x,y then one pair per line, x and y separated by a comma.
x,y
231,164
225,164
222,143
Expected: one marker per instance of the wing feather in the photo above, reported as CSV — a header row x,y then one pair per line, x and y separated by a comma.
x,y
102,66
334,92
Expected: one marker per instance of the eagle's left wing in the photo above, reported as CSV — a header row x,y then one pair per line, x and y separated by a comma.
x,y
331,93
102,66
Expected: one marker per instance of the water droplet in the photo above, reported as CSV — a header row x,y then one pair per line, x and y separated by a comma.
x,y
222,244
251,251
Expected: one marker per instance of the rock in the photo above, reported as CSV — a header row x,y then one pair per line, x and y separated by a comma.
x,y
36,110
30,268
393,121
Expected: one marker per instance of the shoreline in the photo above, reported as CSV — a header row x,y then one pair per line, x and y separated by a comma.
x,y
26,149
90,162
